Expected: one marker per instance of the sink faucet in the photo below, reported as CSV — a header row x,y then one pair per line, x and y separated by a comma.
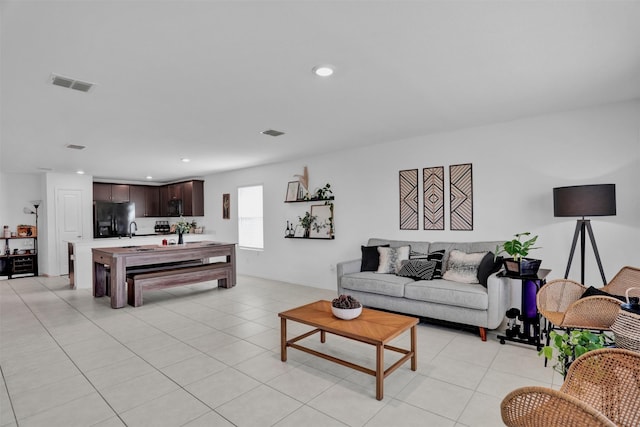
x,y
136,228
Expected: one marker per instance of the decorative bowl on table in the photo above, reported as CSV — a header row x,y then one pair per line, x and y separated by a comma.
x,y
346,307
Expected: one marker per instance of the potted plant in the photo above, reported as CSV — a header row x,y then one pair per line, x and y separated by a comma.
x,y
324,193
182,226
518,249
306,222
572,345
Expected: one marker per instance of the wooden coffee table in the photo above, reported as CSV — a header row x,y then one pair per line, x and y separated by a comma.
x,y
371,327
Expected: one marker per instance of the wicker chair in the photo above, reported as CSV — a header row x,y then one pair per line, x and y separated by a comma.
x,y
602,388
559,302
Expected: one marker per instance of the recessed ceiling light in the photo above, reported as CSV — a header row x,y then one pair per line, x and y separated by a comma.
x,y
323,70
185,160
80,172
149,177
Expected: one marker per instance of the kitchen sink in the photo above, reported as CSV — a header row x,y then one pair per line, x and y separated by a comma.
x,y
129,247
145,249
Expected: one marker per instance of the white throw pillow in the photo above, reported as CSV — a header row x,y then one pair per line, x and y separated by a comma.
x,y
391,259
463,267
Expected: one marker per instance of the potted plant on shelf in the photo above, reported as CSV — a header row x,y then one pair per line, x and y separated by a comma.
x,y
518,263
572,345
323,193
306,222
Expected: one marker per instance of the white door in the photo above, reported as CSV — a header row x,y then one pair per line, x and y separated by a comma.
x,y
68,224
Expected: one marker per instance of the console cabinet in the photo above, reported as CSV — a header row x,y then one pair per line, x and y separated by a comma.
x,y
19,264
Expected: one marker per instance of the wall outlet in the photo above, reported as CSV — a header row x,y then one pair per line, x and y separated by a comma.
x,y
332,267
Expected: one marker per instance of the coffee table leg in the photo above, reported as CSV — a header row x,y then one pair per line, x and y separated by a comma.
x,y
323,337
414,350
379,371
283,339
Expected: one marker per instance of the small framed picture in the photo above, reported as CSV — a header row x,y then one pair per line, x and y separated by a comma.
x,y
322,227
293,190
226,206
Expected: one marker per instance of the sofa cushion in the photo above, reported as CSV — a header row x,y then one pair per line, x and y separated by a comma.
x,y
370,258
383,284
391,258
489,265
447,292
417,269
463,267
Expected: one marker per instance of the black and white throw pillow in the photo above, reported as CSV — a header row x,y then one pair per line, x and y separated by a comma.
x,y
391,259
418,269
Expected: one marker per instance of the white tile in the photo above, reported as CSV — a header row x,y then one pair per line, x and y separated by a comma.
x,y
139,390
118,372
171,354
222,387
173,409
476,414
309,417
265,366
82,412
236,352
262,406
40,376
348,403
436,396
398,413
303,382
40,399
210,419
456,372
193,369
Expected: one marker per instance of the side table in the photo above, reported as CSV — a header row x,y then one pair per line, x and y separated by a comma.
x,y
530,333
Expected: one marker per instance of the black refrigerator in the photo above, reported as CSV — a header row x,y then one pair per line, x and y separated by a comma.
x,y
112,219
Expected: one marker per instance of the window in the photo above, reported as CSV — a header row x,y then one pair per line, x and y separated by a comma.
x,y
250,217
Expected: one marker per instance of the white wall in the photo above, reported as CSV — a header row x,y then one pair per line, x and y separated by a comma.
x,y
515,167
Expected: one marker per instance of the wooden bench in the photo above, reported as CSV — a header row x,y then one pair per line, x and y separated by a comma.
x,y
167,278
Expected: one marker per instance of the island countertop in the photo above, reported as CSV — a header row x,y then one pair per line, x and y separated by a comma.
x,y
81,278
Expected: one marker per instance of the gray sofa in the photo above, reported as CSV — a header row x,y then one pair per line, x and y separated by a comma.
x,y
463,303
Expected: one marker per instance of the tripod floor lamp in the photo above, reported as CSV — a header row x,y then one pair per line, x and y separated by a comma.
x,y
581,201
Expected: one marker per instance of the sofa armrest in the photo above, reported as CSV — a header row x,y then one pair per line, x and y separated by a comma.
x,y
499,292
347,267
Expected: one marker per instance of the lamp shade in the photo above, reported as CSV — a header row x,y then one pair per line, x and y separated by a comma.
x,y
585,200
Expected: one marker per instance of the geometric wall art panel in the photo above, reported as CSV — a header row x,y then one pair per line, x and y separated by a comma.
x,y
461,195
433,197
409,199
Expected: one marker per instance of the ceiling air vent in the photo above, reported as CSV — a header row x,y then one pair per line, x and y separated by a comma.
x,y
272,132
71,83
75,147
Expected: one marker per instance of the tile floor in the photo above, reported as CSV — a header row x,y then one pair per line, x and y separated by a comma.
x,y
206,356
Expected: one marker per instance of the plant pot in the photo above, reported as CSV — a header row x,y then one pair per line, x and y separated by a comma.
x,y
524,267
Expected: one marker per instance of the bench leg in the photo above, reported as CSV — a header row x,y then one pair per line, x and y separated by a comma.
x,y
134,293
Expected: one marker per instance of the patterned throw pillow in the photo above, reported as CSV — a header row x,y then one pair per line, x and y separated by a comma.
x,y
418,269
370,258
463,267
437,256
391,259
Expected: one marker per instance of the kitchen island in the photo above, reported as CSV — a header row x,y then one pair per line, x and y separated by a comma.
x,y
118,259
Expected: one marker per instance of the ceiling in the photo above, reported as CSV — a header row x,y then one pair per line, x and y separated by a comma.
x,y
202,79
